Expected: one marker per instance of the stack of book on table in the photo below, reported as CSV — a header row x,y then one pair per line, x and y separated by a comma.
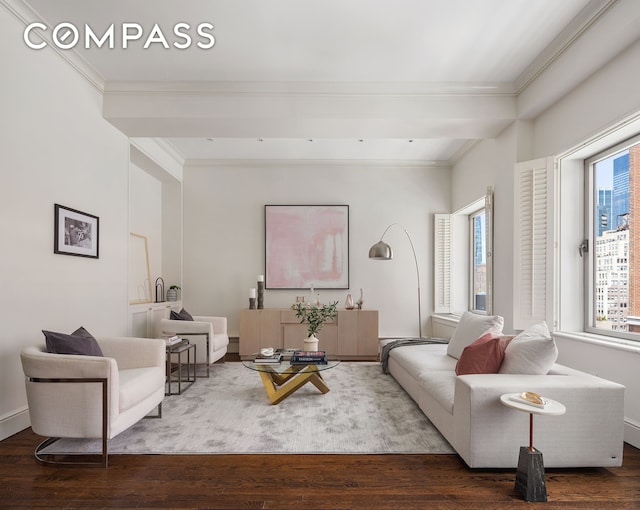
x,y
309,358
261,359
172,340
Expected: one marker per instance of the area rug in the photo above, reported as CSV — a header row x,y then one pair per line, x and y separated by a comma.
x,y
364,412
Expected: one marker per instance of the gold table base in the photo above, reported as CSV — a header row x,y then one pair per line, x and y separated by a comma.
x,y
280,385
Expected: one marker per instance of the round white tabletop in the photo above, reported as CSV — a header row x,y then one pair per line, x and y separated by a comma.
x,y
551,407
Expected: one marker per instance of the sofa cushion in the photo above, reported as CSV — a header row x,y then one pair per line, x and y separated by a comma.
x,y
484,356
79,342
136,384
182,315
471,327
441,386
531,352
416,359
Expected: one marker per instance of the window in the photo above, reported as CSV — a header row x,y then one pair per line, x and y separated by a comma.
x,y
612,265
463,262
478,259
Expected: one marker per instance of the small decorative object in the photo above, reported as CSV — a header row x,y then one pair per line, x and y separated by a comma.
x,y
314,297
159,289
75,232
348,304
260,291
360,301
172,293
314,316
252,299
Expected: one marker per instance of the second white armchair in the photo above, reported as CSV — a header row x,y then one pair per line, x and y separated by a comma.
x,y
208,333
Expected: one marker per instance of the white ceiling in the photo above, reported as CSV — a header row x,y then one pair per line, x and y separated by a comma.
x,y
402,80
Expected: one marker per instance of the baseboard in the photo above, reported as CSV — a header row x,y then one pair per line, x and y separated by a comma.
x,y
632,432
13,423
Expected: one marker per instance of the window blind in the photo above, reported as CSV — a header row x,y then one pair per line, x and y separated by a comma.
x,y
442,263
532,243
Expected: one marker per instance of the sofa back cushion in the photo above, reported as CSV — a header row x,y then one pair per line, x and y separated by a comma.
x,y
531,352
484,356
471,327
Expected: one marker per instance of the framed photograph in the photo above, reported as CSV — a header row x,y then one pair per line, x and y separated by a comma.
x,y
75,233
306,245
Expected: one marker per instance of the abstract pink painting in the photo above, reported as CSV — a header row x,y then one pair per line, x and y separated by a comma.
x,y
307,245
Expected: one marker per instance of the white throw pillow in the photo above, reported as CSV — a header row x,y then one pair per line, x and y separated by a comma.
x,y
531,352
471,327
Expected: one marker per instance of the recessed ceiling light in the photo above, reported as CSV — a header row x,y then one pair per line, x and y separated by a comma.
x,y
209,139
410,141
309,139
261,139
361,140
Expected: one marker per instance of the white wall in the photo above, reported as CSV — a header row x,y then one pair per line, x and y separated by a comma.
x,y
598,103
224,233
55,148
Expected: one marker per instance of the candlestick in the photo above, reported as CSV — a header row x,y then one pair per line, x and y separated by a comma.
x,y
252,303
260,293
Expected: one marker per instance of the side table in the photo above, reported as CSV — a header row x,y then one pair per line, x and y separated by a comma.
x,y
530,479
180,349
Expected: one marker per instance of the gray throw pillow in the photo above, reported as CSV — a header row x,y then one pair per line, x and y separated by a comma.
x,y
79,342
182,315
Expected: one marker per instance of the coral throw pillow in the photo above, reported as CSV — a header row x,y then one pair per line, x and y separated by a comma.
x,y
484,356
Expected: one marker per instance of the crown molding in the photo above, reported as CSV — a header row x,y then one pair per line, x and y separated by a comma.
x,y
297,163
311,88
594,11
26,15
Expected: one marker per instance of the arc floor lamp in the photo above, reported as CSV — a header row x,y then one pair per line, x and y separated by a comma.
x,y
382,251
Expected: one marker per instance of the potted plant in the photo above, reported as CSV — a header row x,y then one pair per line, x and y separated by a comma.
x,y
172,293
314,316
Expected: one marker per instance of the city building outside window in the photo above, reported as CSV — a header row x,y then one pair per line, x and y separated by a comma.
x,y
478,259
614,241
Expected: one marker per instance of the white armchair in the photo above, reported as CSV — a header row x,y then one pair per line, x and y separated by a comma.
x,y
74,396
208,333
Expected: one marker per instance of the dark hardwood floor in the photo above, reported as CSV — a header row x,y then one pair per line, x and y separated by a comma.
x,y
398,482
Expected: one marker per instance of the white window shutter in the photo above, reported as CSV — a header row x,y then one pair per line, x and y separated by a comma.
x,y
442,263
533,253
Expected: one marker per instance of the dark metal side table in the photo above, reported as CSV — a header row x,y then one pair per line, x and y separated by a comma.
x,y
174,373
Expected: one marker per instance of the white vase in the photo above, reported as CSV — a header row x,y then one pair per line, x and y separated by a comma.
x,y
311,343
348,304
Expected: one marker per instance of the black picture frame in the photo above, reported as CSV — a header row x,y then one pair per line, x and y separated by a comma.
x,y
75,233
306,245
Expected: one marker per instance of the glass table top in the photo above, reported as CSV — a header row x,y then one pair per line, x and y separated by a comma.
x,y
285,366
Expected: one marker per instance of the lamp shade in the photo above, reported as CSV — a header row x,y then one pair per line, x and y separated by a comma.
x,y
381,251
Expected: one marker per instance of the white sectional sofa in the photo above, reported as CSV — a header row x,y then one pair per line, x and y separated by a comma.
x,y
487,434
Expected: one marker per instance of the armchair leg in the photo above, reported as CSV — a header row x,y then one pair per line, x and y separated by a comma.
x,y
47,459
86,460
159,415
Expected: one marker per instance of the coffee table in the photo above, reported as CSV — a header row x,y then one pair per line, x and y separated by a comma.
x,y
282,379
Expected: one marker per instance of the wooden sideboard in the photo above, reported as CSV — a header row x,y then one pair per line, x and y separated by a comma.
x,y
353,334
